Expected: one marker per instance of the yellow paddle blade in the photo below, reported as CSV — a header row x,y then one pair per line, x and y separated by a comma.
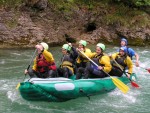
x,y
124,88
18,85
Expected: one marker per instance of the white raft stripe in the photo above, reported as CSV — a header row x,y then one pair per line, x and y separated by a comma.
x,y
48,80
60,79
64,86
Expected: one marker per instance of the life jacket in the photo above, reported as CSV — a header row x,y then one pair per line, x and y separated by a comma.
x,y
97,58
84,59
81,60
43,65
67,58
68,62
120,60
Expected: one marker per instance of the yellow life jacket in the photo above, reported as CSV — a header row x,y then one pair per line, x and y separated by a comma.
x,y
69,65
81,58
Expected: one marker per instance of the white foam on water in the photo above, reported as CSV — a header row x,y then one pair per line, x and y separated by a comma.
x,y
18,54
2,61
125,99
144,52
16,59
8,88
12,95
4,85
14,67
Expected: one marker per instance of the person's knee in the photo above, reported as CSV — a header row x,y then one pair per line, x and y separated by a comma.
x,y
32,73
96,72
52,73
99,73
80,70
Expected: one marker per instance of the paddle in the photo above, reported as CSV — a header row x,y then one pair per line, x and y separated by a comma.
x,y
148,69
133,83
124,88
18,85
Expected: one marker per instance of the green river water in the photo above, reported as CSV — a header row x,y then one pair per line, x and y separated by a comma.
x,y
12,65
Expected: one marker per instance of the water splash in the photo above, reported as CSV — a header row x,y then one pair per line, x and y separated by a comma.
x,y
17,54
2,61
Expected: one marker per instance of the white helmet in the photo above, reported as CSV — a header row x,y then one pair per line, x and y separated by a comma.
x,y
45,45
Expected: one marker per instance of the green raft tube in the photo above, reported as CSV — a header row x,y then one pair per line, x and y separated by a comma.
x,y
64,89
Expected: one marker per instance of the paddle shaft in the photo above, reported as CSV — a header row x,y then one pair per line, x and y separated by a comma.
x,y
32,59
144,68
148,69
30,62
18,85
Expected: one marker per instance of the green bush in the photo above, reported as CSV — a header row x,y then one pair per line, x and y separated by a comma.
x,y
139,3
143,3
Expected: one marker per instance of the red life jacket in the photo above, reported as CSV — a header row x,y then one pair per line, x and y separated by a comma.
x,y
43,65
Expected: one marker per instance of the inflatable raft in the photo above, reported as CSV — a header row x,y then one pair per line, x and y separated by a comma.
x,y
64,89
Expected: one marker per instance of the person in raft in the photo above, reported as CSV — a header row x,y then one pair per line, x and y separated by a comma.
x,y
130,51
44,65
68,60
103,62
121,61
82,60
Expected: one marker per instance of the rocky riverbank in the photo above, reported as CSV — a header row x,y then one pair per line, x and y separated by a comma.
x,y
25,25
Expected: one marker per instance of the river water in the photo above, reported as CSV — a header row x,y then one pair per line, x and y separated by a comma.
x,y
12,65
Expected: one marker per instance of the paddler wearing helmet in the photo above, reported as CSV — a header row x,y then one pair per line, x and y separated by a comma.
x,y
44,64
82,60
120,62
130,51
103,62
67,66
